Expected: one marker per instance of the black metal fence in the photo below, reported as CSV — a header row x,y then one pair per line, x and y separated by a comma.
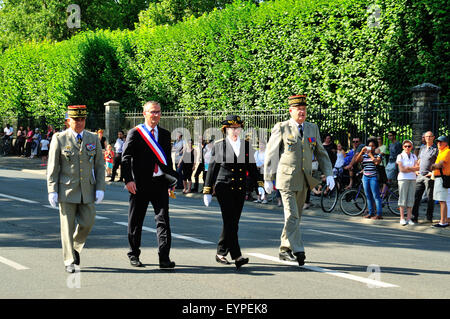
x,y
341,124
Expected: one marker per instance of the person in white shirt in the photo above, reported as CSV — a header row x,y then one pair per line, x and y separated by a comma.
x,y
44,150
259,159
407,165
118,155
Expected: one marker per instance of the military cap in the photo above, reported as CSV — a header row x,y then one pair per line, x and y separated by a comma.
x,y
297,100
77,111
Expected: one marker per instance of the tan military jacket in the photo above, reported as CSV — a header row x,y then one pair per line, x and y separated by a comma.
x,y
75,172
288,157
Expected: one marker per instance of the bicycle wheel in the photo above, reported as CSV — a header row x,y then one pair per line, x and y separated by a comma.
x,y
392,202
353,202
329,200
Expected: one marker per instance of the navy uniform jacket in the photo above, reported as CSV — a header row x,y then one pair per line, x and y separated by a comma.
x,y
228,169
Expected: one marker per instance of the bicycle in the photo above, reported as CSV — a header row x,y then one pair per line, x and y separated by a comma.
x,y
5,148
389,196
329,199
353,202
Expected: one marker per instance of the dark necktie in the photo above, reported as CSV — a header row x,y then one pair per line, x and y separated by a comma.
x,y
79,139
155,170
300,130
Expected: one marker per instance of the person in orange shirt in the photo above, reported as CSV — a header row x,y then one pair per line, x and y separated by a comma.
x,y
441,167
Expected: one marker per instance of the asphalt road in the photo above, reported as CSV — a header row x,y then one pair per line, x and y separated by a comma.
x,y
345,259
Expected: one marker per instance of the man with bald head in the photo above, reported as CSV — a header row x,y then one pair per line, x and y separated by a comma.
x,y
427,156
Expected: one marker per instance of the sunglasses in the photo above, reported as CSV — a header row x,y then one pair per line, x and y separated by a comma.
x,y
407,146
355,141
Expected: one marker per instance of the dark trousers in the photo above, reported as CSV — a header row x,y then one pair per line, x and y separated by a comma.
x,y
197,173
231,203
180,176
423,184
157,194
117,161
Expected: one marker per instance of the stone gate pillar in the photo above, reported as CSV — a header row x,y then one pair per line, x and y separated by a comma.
x,y
424,96
112,121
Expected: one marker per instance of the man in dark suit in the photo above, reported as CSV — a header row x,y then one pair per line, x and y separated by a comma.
x,y
149,176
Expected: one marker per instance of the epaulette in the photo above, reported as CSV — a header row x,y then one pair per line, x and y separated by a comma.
x,y
222,139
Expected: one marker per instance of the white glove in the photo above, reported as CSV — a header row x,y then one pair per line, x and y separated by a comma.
x,y
99,196
330,182
268,186
207,198
261,191
53,199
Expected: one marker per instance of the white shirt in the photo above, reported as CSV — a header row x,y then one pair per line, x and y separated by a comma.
x,y
406,162
155,133
119,145
298,125
235,145
8,131
44,145
75,133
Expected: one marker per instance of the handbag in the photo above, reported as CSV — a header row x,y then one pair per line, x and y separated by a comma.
x,y
445,179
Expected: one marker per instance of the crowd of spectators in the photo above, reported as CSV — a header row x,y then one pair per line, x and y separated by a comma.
x,y
417,171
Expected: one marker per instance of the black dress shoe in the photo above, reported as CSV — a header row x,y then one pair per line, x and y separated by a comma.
x,y
70,269
240,262
287,255
300,258
135,262
166,264
76,257
222,260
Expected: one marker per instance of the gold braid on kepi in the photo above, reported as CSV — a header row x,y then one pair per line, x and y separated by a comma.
x,y
260,183
297,100
77,111
232,120
206,190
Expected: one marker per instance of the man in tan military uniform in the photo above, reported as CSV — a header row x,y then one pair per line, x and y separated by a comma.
x,y
75,179
288,161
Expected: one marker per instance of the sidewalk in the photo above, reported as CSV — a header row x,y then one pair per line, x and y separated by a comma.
x,y
391,221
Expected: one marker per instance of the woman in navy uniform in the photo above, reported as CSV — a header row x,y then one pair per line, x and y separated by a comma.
x,y
231,159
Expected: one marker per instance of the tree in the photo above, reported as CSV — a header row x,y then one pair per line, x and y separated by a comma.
x,y
38,20
173,11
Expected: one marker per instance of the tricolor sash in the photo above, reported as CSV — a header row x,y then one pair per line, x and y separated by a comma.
x,y
152,143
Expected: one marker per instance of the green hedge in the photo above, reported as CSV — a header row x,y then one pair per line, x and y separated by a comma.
x,y
242,57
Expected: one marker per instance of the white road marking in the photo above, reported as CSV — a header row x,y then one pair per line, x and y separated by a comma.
x,y
367,281
19,199
49,206
100,217
189,208
188,238
12,264
335,234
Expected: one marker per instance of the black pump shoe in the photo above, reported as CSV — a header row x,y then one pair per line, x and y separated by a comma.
x,y
241,262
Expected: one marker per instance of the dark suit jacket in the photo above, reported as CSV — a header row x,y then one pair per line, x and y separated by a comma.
x,y
138,160
226,168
